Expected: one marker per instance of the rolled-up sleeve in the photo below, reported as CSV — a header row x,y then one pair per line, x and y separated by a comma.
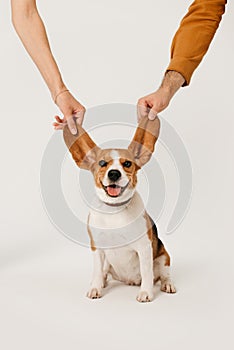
x,y
194,36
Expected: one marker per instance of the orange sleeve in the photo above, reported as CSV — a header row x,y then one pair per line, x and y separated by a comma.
x,y
194,36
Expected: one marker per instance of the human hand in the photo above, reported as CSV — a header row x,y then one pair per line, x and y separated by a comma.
x,y
73,112
153,104
156,102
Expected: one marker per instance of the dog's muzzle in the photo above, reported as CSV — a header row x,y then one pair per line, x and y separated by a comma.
x,y
114,190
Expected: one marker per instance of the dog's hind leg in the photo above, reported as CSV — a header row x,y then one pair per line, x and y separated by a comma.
x,y
162,272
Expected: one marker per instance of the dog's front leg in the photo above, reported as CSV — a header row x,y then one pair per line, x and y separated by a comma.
x,y
146,267
97,281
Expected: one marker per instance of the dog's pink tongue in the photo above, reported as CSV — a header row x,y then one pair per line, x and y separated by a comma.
x,y
113,191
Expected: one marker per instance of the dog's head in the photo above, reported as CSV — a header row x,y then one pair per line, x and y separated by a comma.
x,y
114,170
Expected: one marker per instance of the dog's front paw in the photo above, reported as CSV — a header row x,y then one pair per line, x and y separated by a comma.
x,y
168,287
144,297
94,293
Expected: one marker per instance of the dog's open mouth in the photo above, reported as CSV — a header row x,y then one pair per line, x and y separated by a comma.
x,y
114,190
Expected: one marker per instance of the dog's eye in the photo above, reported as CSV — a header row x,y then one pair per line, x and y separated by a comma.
x,y
102,163
127,164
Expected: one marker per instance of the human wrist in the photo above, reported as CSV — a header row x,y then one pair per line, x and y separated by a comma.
x,y
57,87
172,81
57,96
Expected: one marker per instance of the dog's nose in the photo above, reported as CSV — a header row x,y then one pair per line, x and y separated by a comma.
x,y
114,175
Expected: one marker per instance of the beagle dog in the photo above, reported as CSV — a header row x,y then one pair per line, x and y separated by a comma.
x,y
142,259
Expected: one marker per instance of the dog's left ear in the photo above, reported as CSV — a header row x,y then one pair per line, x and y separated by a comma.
x,y
142,145
83,149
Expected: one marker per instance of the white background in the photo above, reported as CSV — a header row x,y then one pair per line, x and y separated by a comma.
x,y
115,52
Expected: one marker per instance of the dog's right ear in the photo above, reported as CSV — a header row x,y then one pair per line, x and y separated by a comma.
x,y
146,135
83,149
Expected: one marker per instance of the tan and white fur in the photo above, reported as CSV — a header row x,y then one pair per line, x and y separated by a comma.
x,y
144,260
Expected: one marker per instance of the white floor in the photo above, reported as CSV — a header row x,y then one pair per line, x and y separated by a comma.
x,y
43,303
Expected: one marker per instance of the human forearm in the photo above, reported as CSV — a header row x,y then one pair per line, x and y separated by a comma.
x,y
31,30
194,36
189,46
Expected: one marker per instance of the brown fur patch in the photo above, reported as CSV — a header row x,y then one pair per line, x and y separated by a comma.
x,y
142,145
92,244
131,172
157,245
81,146
149,226
162,251
151,235
98,171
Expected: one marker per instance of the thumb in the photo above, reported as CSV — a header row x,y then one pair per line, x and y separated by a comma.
x,y
152,114
71,124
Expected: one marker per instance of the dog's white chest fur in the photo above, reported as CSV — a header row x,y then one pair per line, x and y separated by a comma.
x,y
121,230
113,227
125,264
